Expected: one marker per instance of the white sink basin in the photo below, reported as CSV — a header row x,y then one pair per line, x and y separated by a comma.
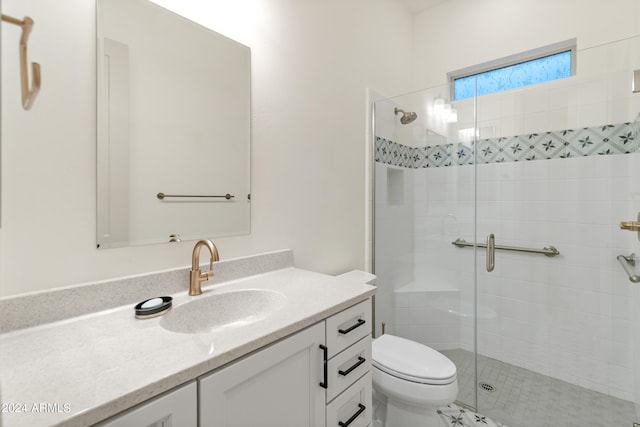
x,y
232,309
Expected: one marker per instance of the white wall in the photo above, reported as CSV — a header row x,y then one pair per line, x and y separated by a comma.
x,y
312,62
460,33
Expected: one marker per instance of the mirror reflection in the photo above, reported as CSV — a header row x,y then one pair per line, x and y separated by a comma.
x,y
173,128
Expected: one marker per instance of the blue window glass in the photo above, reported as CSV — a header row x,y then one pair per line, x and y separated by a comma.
x,y
525,73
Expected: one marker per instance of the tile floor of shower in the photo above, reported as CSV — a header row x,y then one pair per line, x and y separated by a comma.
x,y
523,398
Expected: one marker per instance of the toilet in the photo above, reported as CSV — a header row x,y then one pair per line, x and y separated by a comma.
x,y
410,381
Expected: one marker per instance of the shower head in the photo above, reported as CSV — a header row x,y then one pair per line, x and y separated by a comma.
x,y
407,116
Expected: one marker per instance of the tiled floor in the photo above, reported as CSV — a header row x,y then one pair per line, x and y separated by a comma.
x,y
454,415
451,416
523,398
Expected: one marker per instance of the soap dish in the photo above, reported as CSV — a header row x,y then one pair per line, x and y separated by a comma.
x,y
152,307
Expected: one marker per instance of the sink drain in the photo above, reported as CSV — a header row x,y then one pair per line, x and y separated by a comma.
x,y
486,387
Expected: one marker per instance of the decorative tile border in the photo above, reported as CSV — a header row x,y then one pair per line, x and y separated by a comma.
x,y
623,138
453,415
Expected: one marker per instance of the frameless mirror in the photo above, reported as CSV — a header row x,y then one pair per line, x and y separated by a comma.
x,y
173,143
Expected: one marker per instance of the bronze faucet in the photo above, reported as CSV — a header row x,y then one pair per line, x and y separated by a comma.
x,y
196,275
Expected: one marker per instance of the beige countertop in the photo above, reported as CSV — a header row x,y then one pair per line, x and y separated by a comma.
x,y
85,369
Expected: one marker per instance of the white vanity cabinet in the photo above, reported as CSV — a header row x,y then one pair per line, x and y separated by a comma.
x,y
278,386
175,408
316,377
267,344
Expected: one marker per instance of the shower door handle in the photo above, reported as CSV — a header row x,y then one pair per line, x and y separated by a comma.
x,y
491,252
632,225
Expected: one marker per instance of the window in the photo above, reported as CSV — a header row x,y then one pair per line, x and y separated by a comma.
x,y
538,66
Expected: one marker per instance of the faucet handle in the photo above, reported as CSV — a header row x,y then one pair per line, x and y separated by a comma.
x,y
206,275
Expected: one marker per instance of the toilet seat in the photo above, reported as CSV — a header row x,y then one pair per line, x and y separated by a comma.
x,y
412,361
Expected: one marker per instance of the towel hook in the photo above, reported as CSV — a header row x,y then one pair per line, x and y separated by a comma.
x,y
28,94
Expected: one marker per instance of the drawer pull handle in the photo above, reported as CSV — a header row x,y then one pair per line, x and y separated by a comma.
x,y
357,325
353,417
360,361
325,383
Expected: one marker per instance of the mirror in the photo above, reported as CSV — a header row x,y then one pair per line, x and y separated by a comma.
x,y
173,109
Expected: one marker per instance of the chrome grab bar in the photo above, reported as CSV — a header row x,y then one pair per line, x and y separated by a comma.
x,y
549,251
628,262
162,196
491,252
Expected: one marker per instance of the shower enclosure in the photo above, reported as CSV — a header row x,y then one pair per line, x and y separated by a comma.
x,y
497,240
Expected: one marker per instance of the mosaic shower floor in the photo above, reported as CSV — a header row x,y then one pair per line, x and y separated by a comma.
x,y
522,398
454,415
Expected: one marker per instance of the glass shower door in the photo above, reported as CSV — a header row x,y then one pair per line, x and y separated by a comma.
x,y
424,201
557,171
551,336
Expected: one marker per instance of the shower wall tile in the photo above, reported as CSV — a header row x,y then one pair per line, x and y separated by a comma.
x,y
566,317
536,101
622,138
439,337
560,118
429,317
533,122
394,231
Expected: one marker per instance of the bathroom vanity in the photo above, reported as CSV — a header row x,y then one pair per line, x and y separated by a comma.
x,y
280,385
306,362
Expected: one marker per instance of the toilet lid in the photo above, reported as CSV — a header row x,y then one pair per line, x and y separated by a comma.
x,y
412,361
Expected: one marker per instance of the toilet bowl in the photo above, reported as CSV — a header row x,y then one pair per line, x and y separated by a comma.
x,y
411,381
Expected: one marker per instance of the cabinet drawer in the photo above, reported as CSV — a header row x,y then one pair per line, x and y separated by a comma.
x,y
345,368
352,408
348,327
